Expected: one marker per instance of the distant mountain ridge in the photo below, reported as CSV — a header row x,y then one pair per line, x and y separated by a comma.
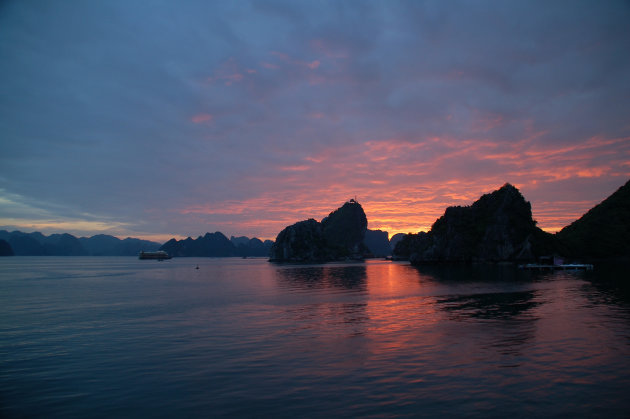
x,y
38,244
497,227
217,245
5,248
377,242
105,245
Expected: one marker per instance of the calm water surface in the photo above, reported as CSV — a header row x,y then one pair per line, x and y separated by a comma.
x,y
120,337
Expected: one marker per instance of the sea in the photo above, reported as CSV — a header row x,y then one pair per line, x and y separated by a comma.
x,y
118,337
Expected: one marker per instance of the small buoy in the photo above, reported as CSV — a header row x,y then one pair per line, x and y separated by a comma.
x,y
197,267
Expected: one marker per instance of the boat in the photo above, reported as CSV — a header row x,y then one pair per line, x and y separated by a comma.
x,y
159,255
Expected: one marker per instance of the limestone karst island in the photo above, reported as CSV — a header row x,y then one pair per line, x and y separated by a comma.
x,y
498,227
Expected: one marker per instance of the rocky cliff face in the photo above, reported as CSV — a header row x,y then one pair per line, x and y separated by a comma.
x,y
602,232
301,242
393,241
338,236
497,227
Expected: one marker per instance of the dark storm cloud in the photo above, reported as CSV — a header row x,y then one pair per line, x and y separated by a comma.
x,y
132,110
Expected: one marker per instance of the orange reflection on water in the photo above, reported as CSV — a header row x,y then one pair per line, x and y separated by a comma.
x,y
399,307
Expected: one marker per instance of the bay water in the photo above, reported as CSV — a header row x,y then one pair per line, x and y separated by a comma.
x,y
204,337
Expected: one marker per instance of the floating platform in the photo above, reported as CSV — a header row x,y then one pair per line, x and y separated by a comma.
x,y
563,267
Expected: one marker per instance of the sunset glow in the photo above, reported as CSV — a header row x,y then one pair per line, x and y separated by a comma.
x,y
158,129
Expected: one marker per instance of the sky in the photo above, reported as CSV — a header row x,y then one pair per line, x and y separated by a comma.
x,y
160,119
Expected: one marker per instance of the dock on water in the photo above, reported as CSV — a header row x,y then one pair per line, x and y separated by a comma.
x,y
563,267
553,263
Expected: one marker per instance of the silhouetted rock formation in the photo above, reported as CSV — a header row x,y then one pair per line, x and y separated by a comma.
x,y
339,236
241,240
5,248
105,245
409,244
211,244
497,227
217,245
377,242
63,245
24,244
37,244
255,247
300,242
393,241
604,231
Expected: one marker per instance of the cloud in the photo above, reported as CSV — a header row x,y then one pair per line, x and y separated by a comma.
x,y
155,115
201,117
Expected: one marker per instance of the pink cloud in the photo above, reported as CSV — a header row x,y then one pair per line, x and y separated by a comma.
x,y
313,65
316,115
201,118
406,183
297,168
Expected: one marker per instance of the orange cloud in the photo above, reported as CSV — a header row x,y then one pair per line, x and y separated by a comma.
x,y
405,184
299,168
201,118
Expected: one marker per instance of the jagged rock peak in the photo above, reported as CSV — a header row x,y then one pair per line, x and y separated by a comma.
x,y
339,236
346,226
506,195
603,231
496,227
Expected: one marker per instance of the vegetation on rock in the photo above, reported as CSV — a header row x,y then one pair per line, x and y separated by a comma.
x,y
497,227
603,232
339,236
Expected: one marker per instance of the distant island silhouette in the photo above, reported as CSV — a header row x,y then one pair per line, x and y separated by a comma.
x,y
603,232
337,237
217,245
5,248
498,227
38,244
